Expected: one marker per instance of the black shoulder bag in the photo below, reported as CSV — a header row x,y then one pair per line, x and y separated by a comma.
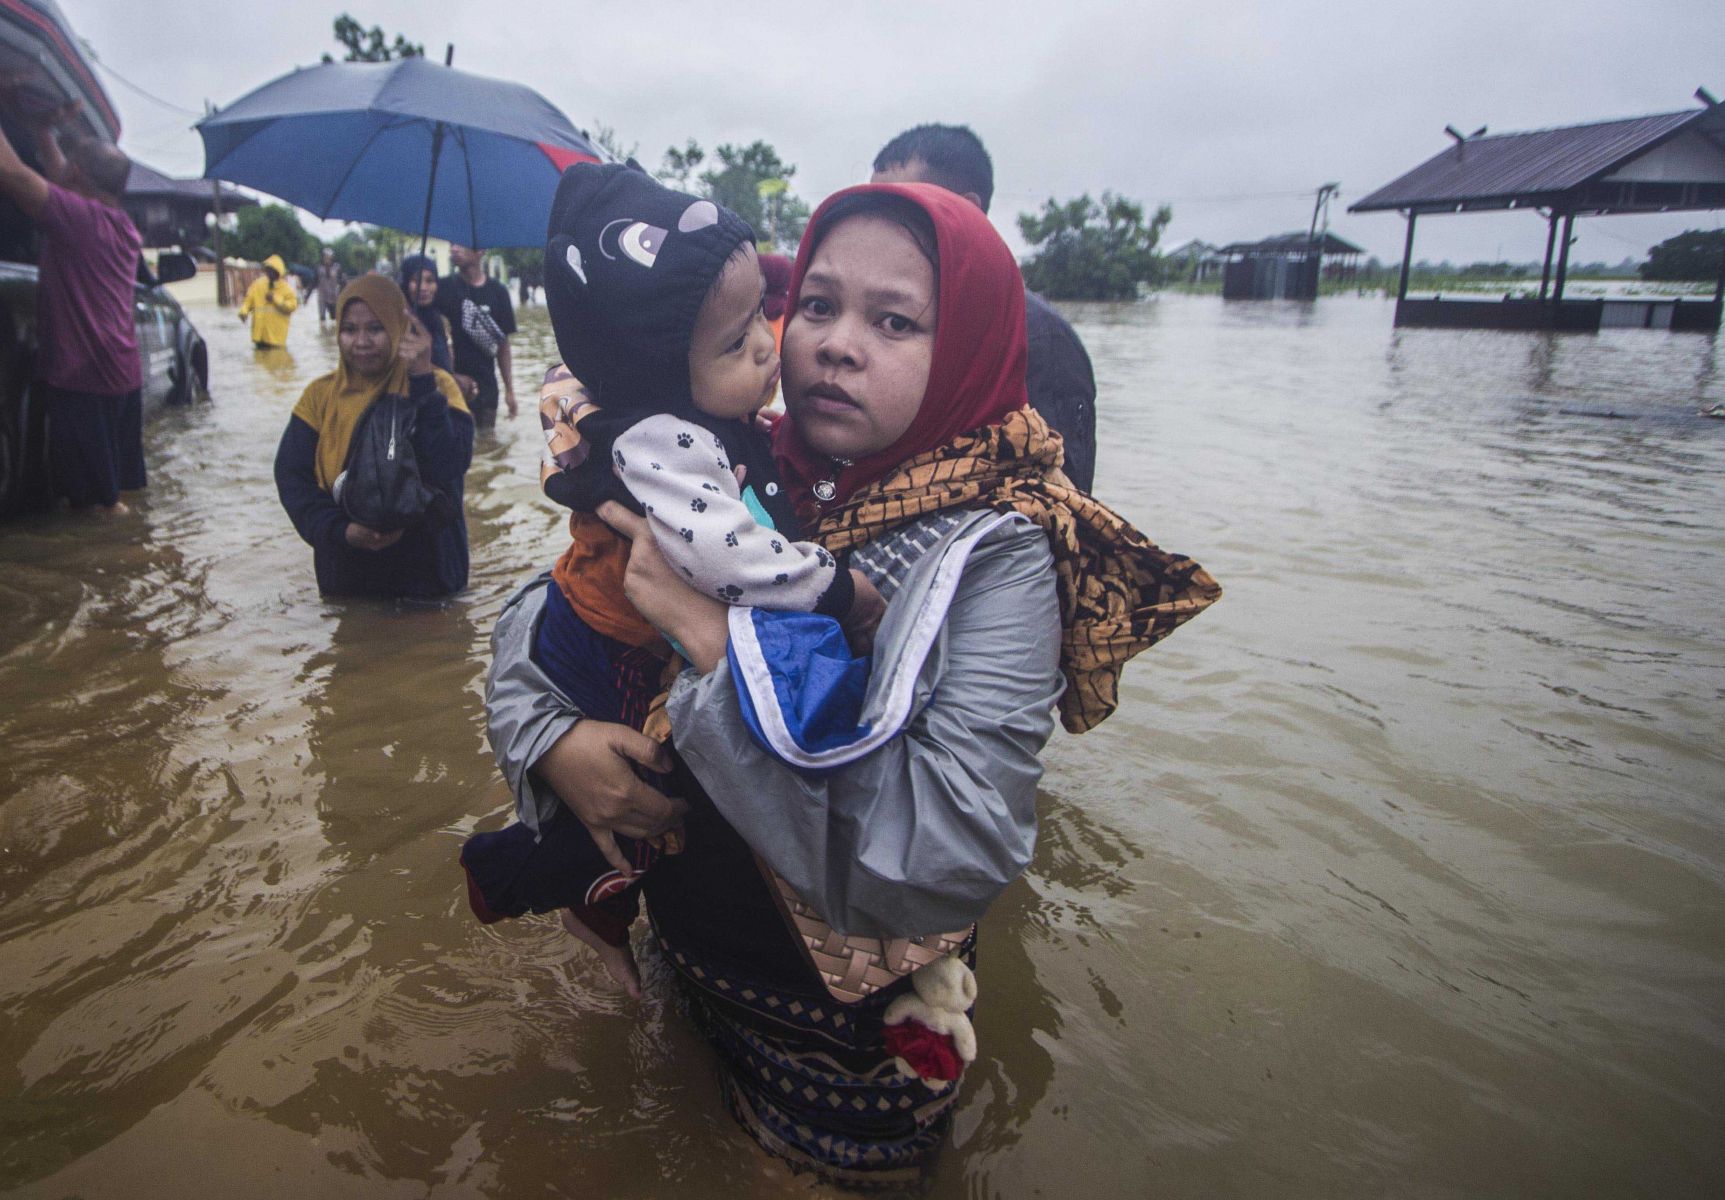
x,y
380,486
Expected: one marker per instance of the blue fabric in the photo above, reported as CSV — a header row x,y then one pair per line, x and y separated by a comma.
x,y
353,141
818,686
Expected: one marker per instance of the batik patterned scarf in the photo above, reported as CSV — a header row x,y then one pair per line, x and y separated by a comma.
x,y
1119,592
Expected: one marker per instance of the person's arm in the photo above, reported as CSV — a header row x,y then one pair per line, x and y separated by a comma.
x,y
550,754
23,186
314,513
680,474
284,297
442,434
921,834
249,301
506,364
505,318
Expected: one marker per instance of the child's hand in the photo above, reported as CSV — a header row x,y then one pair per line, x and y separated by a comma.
x,y
864,617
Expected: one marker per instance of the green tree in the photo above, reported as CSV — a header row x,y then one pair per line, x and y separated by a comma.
x,y
368,45
752,181
1089,250
608,140
355,253
271,229
678,169
1692,255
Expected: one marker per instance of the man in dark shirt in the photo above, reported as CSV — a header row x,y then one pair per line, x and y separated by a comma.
x,y
1059,378
480,322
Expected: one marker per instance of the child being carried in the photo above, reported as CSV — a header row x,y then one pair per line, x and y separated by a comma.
x,y
656,301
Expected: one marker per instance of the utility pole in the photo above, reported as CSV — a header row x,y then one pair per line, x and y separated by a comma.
x,y
223,299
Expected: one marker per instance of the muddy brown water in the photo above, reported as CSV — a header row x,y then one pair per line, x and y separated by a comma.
x,y
1402,872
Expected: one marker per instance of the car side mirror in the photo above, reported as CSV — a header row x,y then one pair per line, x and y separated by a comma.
x,y
171,268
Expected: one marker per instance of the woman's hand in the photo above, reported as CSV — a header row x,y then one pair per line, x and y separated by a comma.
x,y
591,768
415,348
362,537
698,623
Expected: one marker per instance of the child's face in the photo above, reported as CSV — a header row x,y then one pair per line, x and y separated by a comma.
x,y
733,367
422,290
859,346
363,339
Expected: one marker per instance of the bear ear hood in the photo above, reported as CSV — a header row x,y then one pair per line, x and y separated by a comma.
x,y
628,263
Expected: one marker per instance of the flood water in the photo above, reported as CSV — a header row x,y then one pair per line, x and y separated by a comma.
x,y
1400,873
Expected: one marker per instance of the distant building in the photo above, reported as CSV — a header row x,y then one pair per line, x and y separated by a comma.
x,y
1286,267
172,212
1193,261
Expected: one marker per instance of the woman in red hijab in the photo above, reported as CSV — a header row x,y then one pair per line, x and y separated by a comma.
x,y
822,922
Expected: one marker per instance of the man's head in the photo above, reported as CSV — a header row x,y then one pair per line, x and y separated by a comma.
x,y
463,257
328,255
98,168
950,156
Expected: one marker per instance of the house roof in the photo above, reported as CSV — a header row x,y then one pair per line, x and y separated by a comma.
x,y
1568,167
1292,243
146,181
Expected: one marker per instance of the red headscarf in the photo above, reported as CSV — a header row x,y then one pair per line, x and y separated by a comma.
x,y
977,374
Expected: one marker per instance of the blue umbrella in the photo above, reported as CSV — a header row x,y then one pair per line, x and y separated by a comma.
x,y
408,144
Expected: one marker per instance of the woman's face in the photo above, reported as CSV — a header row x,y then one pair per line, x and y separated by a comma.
x,y
858,348
422,289
363,339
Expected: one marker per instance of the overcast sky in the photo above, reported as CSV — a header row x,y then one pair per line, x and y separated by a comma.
x,y
1232,112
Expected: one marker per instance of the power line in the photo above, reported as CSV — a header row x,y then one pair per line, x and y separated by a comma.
x,y
146,95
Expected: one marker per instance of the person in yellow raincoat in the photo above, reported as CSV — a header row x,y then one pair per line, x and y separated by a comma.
x,y
269,302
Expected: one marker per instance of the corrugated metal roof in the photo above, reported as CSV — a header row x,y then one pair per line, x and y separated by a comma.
x,y
1525,166
1284,243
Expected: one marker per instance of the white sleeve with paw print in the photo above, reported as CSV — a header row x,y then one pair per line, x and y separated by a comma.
x,y
681,475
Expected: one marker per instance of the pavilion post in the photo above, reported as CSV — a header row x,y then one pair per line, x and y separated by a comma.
x,y
1719,288
1550,247
1563,257
1407,259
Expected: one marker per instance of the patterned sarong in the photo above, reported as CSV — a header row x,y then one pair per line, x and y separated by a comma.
x,y
811,1081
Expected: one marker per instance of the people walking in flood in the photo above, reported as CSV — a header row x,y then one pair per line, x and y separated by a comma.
x,y
1059,377
656,301
87,360
418,279
269,303
384,352
481,321
331,278
907,444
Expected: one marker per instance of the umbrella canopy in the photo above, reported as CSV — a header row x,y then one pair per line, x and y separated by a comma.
x,y
409,144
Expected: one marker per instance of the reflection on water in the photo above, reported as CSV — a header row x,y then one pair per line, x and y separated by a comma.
x,y
1400,873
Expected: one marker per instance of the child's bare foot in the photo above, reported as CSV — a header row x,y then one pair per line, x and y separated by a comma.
x,y
619,960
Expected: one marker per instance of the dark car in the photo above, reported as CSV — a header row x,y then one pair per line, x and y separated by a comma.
x,y
37,45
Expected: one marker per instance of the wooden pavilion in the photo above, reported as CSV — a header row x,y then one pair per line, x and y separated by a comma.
x,y
1671,162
